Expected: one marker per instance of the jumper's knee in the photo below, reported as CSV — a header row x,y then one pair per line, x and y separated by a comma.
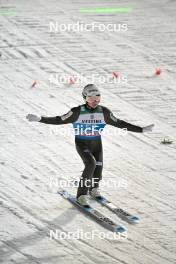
x,y
90,163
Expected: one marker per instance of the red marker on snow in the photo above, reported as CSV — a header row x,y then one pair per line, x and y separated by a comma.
x,y
72,80
33,84
157,71
115,74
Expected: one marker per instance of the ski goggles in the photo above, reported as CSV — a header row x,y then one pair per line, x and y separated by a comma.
x,y
91,99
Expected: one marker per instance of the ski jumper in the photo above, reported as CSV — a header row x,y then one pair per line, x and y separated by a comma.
x,y
88,124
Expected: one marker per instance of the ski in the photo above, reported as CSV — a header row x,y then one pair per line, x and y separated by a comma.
x,y
132,219
95,214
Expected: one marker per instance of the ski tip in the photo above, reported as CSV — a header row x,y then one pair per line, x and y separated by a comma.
x,y
134,219
60,191
63,193
120,229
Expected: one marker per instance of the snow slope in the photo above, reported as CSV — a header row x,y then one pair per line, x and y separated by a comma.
x,y
31,156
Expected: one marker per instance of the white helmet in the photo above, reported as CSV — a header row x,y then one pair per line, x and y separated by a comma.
x,y
90,90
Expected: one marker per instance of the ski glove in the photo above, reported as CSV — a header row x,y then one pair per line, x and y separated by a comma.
x,y
148,128
33,118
